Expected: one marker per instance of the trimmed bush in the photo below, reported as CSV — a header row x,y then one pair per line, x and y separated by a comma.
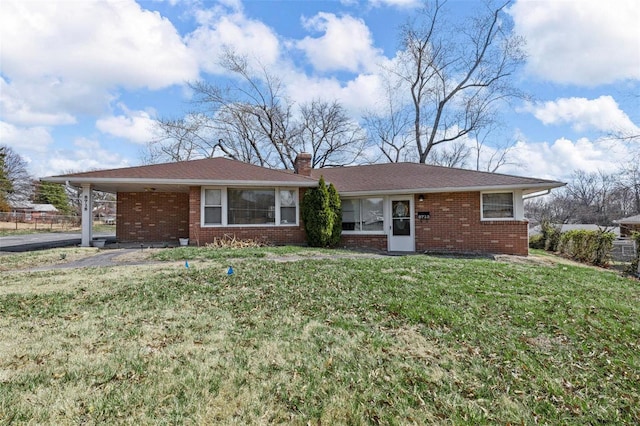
x,y
320,212
336,207
550,235
593,247
633,269
536,242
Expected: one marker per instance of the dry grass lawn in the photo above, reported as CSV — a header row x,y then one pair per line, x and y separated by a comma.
x,y
318,340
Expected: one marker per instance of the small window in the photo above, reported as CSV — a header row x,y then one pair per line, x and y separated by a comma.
x,y
497,205
288,210
212,206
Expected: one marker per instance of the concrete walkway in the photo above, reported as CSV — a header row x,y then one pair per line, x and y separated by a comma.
x,y
41,241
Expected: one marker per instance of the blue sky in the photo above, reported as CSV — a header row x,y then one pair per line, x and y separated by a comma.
x,y
81,82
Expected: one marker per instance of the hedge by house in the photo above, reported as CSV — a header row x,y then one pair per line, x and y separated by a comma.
x,y
635,263
322,215
593,247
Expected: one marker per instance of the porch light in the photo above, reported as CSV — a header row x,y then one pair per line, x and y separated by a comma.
x,y
421,197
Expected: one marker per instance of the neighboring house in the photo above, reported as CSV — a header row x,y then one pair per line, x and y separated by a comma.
x,y
30,212
629,225
402,207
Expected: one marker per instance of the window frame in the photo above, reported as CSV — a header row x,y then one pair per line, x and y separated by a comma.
x,y
204,206
366,232
513,206
225,206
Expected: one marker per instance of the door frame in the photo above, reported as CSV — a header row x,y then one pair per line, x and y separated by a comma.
x,y
401,243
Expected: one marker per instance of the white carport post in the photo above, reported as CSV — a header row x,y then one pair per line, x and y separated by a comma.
x,y
87,215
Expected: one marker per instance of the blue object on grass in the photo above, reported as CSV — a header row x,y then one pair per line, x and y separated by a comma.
x,y
230,271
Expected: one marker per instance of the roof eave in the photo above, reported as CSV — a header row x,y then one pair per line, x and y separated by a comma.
x,y
526,189
80,181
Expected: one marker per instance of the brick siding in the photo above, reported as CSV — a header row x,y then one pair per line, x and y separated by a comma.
x,y
152,216
455,226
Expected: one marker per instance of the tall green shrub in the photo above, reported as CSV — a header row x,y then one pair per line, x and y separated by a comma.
x,y
320,212
335,206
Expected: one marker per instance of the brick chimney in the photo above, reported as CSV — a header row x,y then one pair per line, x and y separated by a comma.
x,y
302,164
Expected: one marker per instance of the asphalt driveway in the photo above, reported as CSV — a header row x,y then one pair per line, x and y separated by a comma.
x,y
40,241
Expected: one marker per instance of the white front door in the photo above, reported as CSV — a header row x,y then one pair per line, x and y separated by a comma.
x,y
401,228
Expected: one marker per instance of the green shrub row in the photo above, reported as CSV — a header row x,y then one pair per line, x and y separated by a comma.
x,y
593,247
548,239
633,269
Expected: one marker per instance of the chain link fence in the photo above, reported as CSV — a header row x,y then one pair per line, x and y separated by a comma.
x,y
37,221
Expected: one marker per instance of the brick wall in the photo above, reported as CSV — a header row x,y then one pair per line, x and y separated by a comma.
x,y
455,226
273,234
152,216
376,242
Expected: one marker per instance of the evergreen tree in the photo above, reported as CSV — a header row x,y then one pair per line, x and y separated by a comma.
x,y
336,208
53,193
317,215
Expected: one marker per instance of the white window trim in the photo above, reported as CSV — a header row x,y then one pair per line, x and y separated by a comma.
x,y
517,206
385,201
224,215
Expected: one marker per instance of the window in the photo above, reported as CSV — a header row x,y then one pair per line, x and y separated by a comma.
x,y
362,214
212,206
497,205
288,211
249,206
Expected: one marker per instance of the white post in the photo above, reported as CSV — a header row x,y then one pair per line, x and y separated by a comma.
x,y
87,215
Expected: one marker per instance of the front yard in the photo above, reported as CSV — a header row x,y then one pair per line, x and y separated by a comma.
x,y
297,336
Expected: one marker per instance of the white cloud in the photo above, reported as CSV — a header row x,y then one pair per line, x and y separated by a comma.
x,y
134,126
220,31
36,138
602,114
87,154
587,42
64,57
396,3
105,43
347,44
559,159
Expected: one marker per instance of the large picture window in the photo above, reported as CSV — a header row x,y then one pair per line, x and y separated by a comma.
x,y
497,205
362,214
249,206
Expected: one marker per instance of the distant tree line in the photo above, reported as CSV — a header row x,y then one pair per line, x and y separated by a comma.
x,y
591,197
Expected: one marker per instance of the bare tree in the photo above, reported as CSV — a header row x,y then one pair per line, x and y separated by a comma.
x,y
455,154
594,198
252,120
19,182
456,76
390,128
327,132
